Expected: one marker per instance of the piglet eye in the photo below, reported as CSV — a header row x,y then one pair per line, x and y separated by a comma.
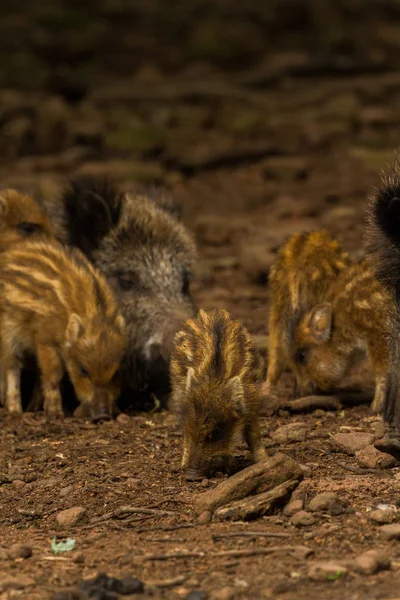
x,y
27,228
126,281
216,435
301,356
84,372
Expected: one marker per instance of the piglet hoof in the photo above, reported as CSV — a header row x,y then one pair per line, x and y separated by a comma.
x,y
15,412
54,414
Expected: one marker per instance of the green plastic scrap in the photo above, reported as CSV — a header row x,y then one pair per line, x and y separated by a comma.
x,y
66,546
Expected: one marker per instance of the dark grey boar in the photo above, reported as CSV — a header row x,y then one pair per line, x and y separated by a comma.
x,y
137,241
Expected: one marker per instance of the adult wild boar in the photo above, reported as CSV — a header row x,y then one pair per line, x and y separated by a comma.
x,y
147,255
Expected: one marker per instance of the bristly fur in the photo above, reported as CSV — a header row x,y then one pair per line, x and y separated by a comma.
x,y
355,318
383,246
383,230
216,378
21,218
55,305
92,207
148,257
305,267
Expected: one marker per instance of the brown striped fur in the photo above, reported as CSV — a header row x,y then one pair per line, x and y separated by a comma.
x,y
21,217
330,338
300,278
216,376
56,306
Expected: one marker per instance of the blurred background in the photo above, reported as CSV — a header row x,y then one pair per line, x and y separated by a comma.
x,y
263,118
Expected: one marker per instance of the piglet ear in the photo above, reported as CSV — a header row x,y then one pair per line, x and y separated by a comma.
x,y
189,378
120,323
320,322
74,330
237,394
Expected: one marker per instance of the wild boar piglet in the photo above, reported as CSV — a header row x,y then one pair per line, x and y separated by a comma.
x,y
56,306
300,278
216,376
330,338
21,217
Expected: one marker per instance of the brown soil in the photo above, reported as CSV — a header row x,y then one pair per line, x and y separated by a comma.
x,y
251,167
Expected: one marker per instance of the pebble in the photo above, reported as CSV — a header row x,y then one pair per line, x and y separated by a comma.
x,y
19,484
225,593
204,483
204,518
326,570
350,443
303,519
293,507
123,419
371,562
391,532
129,586
65,491
133,482
197,595
329,503
293,432
71,516
371,458
380,428
20,551
383,517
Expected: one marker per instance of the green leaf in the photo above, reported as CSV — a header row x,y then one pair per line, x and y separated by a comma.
x,y
66,546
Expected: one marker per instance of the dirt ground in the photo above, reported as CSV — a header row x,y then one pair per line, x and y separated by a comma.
x,y
251,165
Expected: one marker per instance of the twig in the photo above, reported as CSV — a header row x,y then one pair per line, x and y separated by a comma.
x,y
166,500
309,403
167,583
122,511
360,471
222,554
166,528
249,534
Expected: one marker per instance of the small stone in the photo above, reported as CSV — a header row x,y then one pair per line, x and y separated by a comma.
x,y
197,595
371,458
303,519
204,518
293,507
326,571
350,443
78,558
371,562
383,517
293,432
391,532
20,551
123,419
204,483
129,585
133,482
19,484
71,516
380,429
328,503
225,593
65,491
